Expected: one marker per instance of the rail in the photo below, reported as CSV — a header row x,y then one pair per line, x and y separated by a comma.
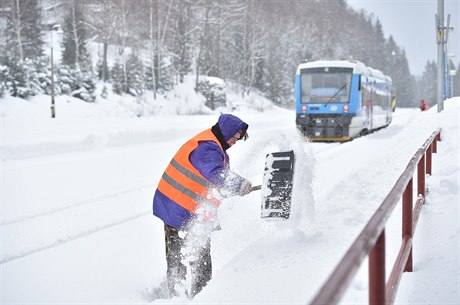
x,y
371,241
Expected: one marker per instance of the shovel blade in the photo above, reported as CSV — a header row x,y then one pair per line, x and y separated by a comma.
x,y
277,186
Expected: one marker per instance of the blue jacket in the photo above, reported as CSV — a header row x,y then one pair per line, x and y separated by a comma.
x,y
208,158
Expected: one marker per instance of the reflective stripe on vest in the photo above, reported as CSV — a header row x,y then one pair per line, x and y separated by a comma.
x,y
183,183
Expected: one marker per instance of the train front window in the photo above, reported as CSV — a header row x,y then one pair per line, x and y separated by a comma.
x,y
324,85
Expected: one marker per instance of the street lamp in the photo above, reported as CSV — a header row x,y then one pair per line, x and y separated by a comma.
x,y
53,106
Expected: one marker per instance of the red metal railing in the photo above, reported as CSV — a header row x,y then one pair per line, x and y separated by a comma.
x,y
371,240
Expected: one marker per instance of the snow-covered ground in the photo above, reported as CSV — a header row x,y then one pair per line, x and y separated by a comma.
x,y
76,193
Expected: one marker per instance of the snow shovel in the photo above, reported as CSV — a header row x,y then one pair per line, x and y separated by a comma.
x,y
277,186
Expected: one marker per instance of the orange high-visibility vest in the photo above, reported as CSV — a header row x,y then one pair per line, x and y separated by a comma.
x,y
183,183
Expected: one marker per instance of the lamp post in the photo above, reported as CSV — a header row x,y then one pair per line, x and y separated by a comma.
x,y
53,105
393,87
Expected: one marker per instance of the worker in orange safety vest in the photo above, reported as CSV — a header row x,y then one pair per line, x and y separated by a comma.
x,y
187,198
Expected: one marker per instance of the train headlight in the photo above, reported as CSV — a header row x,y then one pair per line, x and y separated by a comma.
x,y
345,108
304,108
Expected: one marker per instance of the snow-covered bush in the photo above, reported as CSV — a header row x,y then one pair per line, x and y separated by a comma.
x,y
17,81
134,75
78,83
213,89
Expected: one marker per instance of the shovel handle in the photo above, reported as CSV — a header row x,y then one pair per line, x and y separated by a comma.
x,y
256,188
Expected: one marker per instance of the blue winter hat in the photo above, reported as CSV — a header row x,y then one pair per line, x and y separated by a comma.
x,y
229,125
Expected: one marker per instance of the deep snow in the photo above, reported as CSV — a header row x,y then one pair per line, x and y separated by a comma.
x,y
76,192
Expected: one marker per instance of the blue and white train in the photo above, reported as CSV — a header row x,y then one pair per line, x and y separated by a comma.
x,y
341,100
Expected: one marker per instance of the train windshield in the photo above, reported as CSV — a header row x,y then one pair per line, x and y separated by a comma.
x,y
324,85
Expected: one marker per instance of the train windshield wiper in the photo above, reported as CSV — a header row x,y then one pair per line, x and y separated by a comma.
x,y
335,94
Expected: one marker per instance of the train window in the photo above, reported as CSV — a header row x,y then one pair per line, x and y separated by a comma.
x,y
325,85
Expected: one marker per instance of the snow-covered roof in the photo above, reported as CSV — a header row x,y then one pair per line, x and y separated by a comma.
x,y
357,66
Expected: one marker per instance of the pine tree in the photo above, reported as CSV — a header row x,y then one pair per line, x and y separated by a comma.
x,y
23,31
4,76
135,79
104,22
204,64
78,77
182,38
86,80
118,84
404,83
19,83
380,56
74,41
43,74
23,46
78,81
427,85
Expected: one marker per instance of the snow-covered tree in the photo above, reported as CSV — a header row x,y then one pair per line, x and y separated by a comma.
x,y
204,55
103,24
235,40
427,84
118,81
19,76
78,81
42,71
135,75
75,35
23,31
182,44
404,82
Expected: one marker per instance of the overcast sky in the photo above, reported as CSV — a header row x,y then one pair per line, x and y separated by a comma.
x,y
411,22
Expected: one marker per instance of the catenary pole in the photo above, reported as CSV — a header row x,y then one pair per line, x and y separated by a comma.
x,y
440,41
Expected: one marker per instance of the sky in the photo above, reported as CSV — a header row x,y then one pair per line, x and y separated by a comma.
x,y
76,203
411,22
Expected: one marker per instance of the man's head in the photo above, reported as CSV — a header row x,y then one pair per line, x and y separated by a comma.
x,y
232,128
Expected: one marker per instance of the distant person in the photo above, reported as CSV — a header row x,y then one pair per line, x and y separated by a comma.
x,y
423,105
187,197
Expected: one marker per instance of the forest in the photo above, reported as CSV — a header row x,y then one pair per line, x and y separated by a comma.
x,y
252,43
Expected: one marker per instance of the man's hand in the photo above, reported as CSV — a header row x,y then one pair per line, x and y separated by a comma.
x,y
246,188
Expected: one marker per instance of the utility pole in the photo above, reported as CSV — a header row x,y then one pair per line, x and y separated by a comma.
x,y
442,36
439,22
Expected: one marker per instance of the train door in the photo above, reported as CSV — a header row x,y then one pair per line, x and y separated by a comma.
x,y
371,107
367,106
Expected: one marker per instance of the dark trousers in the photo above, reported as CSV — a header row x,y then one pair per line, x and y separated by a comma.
x,y
177,251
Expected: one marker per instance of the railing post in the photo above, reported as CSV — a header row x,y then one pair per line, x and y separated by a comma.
x,y
377,272
435,145
407,220
438,136
421,176
428,160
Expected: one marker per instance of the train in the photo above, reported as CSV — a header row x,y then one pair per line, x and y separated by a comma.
x,y
339,100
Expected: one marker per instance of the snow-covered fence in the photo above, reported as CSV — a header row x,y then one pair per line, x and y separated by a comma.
x,y
371,240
